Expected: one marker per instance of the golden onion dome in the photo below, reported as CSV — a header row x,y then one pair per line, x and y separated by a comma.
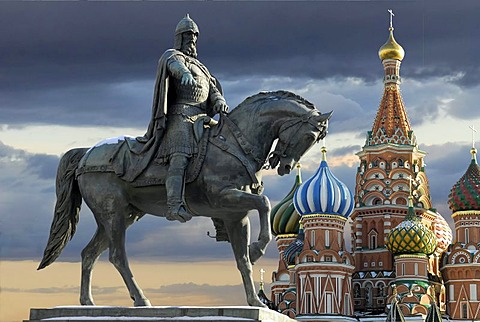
x,y
391,49
411,236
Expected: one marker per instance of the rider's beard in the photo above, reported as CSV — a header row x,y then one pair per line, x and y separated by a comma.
x,y
190,49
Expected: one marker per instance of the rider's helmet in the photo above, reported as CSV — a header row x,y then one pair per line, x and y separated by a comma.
x,y
186,24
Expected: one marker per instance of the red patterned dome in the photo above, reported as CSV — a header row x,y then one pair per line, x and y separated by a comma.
x,y
465,194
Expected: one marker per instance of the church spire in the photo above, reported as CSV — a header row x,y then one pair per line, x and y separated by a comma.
x,y
391,124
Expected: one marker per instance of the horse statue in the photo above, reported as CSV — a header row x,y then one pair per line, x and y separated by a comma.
x,y
238,149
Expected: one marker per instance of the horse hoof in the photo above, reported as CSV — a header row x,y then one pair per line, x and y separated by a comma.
x,y
87,302
142,302
255,252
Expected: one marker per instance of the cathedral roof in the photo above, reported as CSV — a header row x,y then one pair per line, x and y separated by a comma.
x,y
411,236
323,193
391,49
284,218
294,248
391,123
465,194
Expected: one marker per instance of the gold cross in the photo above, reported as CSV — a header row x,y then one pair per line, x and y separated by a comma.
x,y
473,135
391,17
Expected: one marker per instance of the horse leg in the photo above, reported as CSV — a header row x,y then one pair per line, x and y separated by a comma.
x,y
239,234
245,201
115,228
90,254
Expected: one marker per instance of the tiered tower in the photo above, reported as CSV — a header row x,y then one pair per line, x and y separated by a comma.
x,y
411,243
388,159
319,267
461,264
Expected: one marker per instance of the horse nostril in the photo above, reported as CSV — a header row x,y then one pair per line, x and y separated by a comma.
x,y
288,167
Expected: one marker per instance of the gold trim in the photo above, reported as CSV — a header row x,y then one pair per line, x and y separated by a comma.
x,y
423,256
465,212
286,236
324,216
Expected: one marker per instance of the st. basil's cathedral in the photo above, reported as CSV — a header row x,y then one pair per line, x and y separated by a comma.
x,y
403,263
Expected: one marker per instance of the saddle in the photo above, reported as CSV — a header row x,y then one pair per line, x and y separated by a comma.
x,y
118,155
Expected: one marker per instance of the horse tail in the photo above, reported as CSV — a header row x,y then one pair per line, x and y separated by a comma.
x,y
67,207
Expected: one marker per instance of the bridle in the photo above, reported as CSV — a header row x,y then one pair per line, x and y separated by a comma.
x,y
282,146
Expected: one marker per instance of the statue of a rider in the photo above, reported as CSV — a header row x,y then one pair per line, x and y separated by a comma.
x,y
184,91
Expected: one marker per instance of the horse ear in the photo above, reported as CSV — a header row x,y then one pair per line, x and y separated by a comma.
x,y
323,117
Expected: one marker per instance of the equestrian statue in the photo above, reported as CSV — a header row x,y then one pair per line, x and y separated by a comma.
x,y
186,165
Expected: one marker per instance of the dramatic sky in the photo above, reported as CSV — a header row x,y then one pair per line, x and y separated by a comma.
x,y
73,73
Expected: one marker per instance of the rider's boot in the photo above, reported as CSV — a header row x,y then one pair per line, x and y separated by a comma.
x,y
176,209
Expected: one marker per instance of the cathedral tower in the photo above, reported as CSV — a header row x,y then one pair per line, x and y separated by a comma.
x,y
461,264
389,159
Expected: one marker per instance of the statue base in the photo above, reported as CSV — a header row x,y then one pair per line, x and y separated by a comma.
x,y
157,313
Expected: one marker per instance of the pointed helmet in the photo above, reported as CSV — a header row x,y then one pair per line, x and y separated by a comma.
x,y
186,24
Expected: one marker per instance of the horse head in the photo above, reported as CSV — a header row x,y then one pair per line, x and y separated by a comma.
x,y
296,136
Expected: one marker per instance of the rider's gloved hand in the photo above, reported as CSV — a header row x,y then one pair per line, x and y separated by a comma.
x,y
220,106
187,79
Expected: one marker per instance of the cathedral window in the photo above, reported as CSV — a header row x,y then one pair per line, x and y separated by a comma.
x,y
372,240
327,238
328,258
467,236
473,292
380,264
464,311
308,303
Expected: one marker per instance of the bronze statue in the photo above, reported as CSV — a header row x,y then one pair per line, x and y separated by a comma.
x,y
184,90
223,181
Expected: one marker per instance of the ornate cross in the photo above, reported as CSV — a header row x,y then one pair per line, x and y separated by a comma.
x,y
391,17
473,135
262,271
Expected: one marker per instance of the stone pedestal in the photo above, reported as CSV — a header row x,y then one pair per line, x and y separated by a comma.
x,y
163,314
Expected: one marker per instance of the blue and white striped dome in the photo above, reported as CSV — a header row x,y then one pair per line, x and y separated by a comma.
x,y
323,193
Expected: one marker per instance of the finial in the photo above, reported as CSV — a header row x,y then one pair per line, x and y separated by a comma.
x,y
410,190
262,271
473,151
324,150
391,18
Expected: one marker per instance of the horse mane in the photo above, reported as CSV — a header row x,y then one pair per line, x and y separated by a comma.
x,y
281,94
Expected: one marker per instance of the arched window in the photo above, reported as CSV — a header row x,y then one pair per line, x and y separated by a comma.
x,y
327,238
467,236
373,241
400,201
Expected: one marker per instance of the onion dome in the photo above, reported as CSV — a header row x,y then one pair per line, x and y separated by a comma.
x,y
284,218
391,49
411,236
443,232
294,248
323,193
465,194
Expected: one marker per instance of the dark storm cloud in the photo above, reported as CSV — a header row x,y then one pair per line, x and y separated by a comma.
x,y
66,62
